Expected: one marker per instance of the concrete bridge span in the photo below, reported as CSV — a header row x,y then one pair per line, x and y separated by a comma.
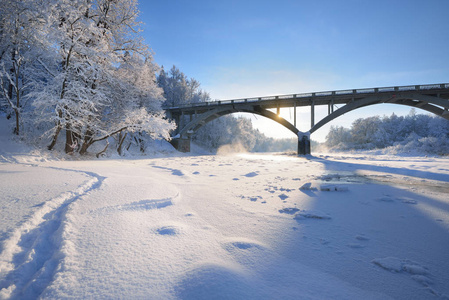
x,y
433,98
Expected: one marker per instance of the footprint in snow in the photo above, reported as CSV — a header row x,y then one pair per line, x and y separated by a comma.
x,y
175,172
283,196
237,244
289,210
167,230
251,198
251,174
417,272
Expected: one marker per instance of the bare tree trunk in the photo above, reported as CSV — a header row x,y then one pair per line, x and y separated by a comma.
x,y
121,140
84,147
58,130
103,151
17,130
58,126
55,137
88,141
69,140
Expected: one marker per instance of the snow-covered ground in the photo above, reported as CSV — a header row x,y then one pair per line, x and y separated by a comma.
x,y
223,227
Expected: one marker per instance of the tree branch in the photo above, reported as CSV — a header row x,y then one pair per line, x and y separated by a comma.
x,y
45,67
109,134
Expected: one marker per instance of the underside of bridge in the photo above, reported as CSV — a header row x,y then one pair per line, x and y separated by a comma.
x,y
190,124
189,118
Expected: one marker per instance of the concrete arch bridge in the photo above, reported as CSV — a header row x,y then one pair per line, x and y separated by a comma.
x,y
433,98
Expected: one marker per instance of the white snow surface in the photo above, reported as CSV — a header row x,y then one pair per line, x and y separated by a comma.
x,y
223,227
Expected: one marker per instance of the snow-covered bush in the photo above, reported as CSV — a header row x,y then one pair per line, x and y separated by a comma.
x,y
412,134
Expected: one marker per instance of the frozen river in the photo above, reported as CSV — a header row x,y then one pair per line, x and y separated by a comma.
x,y
225,227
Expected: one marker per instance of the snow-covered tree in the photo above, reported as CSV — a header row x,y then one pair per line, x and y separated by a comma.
x,y
180,90
363,130
22,44
104,77
338,136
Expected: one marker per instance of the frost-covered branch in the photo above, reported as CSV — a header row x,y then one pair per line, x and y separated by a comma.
x,y
45,67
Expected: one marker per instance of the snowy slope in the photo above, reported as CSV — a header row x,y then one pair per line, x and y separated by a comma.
x,y
224,227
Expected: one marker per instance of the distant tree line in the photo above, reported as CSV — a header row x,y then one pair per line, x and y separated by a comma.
x,y
412,133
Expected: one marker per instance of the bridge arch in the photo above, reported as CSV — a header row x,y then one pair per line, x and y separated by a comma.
x,y
209,116
437,106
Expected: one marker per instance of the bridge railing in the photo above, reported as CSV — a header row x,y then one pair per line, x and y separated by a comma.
x,y
320,94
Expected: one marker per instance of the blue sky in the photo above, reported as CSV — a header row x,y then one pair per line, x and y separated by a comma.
x,y
240,49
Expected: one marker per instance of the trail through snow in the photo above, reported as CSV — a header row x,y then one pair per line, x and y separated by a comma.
x,y
31,253
225,227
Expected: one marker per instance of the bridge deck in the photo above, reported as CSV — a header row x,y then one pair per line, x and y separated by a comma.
x,y
320,98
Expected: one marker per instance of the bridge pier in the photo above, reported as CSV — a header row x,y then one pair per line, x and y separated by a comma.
x,y
303,143
181,144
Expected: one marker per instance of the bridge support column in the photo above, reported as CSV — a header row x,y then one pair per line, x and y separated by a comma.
x,y
181,144
303,143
